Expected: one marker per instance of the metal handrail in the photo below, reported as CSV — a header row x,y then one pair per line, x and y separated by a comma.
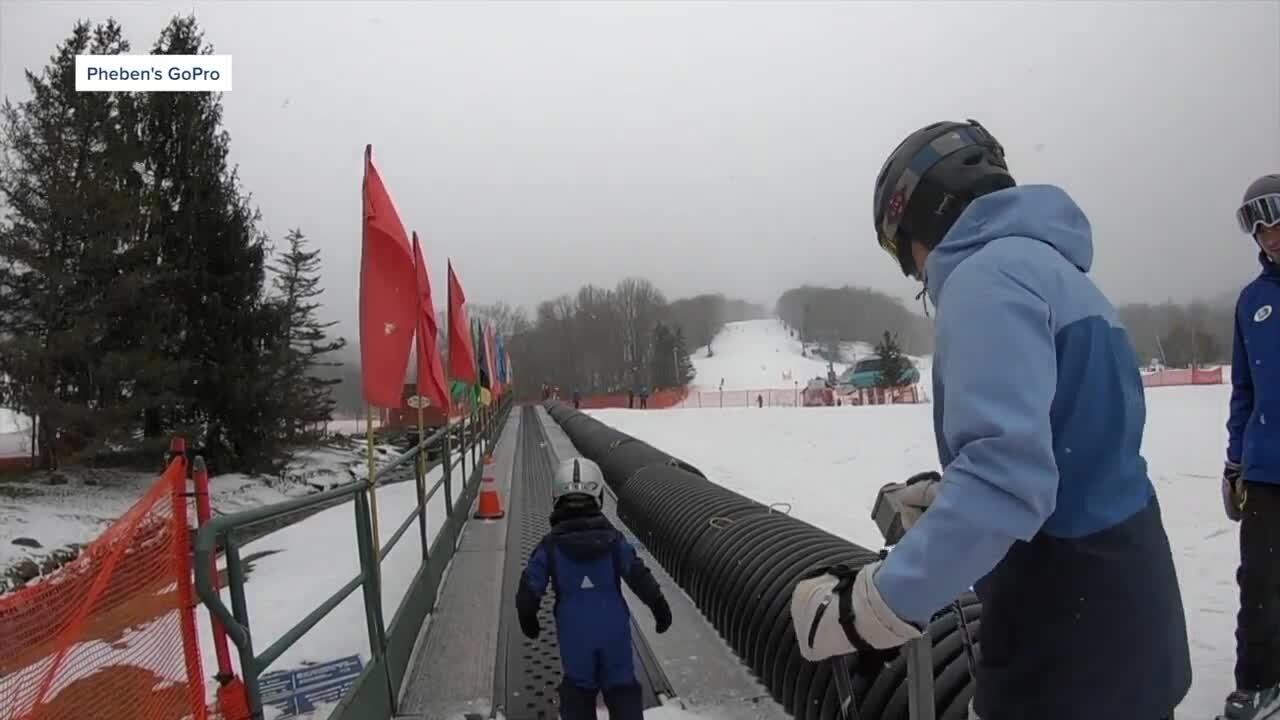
x,y
206,545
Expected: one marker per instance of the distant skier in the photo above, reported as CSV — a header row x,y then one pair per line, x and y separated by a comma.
x,y
644,398
586,560
1044,505
1252,470
577,399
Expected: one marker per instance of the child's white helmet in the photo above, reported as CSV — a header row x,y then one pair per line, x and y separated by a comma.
x,y
578,476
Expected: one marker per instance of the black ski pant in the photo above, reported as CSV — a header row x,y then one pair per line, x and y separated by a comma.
x,y
1258,623
625,702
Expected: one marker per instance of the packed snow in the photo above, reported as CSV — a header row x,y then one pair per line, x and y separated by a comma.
x,y
755,354
828,462
763,354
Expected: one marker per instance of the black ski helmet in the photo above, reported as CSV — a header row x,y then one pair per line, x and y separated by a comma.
x,y
929,179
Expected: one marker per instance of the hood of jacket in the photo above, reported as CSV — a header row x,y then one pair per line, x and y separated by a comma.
x,y
1040,213
580,530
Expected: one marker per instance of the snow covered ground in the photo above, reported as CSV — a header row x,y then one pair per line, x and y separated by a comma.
x,y
77,512
755,354
15,434
829,462
762,354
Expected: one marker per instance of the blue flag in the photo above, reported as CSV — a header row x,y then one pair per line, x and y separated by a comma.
x,y
502,360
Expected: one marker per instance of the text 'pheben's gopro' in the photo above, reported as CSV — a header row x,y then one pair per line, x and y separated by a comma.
x,y
153,73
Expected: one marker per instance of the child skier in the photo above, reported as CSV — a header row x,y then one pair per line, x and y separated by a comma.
x,y
586,560
1251,479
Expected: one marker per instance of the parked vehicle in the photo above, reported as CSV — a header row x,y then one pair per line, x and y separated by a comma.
x,y
866,374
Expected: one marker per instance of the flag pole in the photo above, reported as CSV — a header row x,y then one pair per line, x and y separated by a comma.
x,y
372,480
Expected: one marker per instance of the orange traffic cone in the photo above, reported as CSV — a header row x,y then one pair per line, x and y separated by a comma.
x,y
490,504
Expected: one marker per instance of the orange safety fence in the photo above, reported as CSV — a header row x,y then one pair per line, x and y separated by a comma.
x,y
111,634
1185,376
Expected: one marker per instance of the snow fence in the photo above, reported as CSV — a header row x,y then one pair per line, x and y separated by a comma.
x,y
738,560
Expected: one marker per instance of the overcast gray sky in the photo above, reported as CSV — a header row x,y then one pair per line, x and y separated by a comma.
x,y
721,146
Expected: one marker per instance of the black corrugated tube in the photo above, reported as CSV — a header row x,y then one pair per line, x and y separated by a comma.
x,y
738,560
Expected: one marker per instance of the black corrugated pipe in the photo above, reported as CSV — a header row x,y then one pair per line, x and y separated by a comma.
x,y
738,560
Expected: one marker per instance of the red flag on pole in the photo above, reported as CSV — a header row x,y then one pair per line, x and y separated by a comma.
x,y
387,294
462,354
431,380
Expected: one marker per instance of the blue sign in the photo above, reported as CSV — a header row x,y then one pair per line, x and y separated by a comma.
x,y
297,692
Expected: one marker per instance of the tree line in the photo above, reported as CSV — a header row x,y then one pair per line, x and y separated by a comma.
x,y
1182,335
138,296
598,340
827,316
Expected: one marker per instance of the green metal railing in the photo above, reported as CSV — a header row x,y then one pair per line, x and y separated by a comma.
x,y
376,690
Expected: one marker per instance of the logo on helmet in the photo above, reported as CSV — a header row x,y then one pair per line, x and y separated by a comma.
x,y
895,204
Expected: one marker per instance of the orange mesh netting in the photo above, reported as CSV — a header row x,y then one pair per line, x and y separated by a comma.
x,y
111,634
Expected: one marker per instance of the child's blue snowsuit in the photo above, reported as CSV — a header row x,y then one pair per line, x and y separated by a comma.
x,y
585,559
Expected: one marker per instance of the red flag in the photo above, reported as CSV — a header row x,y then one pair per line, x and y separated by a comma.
x,y
387,290
462,354
431,380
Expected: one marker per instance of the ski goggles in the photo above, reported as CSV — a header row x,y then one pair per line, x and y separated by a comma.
x,y
1264,211
589,487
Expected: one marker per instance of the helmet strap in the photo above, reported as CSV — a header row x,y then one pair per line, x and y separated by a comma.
x,y
923,296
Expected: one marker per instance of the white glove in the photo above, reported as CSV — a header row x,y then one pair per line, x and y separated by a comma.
x,y
839,612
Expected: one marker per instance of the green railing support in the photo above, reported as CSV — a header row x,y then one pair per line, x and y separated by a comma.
x,y
420,481
478,433
447,472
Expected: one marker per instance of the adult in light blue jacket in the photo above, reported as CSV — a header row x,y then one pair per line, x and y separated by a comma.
x,y
1044,507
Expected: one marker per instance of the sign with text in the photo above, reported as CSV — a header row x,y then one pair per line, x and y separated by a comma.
x,y
153,73
297,692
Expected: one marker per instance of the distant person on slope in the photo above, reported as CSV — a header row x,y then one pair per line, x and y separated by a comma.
x,y
586,560
1252,470
1044,505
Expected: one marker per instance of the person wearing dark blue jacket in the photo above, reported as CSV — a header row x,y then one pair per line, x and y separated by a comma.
x,y
1251,479
586,560
1044,506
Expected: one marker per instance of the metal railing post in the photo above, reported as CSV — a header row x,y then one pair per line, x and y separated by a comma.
x,y
420,481
447,461
240,611
369,568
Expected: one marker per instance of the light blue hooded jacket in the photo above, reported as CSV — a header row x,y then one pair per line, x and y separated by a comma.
x,y
1045,506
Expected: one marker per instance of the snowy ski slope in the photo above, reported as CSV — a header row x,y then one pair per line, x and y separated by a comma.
x,y
761,354
829,462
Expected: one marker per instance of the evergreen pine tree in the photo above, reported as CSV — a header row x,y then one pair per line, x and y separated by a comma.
x,y
71,270
894,366
663,368
684,363
304,396
212,309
